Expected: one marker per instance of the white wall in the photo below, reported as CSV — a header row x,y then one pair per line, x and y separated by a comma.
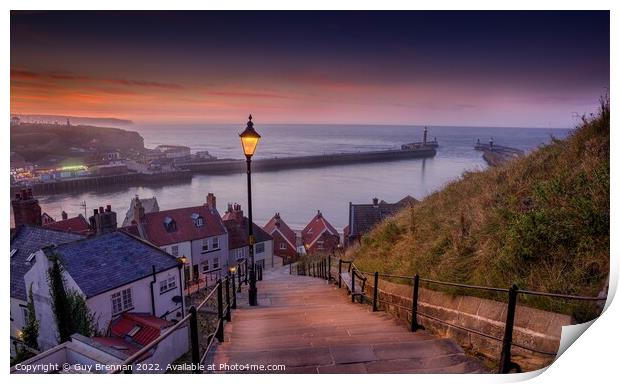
x,y
17,316
170,349
221,253
100,305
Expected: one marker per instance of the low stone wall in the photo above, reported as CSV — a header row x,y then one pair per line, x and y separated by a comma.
x,y
533,328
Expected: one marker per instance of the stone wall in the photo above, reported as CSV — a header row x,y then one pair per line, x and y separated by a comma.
x,y
534,328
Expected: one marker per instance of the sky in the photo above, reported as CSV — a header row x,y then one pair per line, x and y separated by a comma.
x,y
517,69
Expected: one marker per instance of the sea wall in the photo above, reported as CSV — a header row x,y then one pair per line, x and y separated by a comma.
x,y
533,328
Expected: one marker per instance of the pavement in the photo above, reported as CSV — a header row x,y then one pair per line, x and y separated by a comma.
x,y
307,325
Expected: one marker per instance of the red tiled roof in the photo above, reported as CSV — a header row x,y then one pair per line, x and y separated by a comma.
x,y
315,228
277,224
150,327
186,229
76,224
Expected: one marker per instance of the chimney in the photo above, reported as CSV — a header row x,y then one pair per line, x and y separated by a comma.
x,y
238,212
318,213
26,209
211,201
277,219
375,202
230,209
64,215
103,221
138,210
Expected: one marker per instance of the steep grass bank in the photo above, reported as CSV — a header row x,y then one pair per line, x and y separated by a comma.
x,y
541,222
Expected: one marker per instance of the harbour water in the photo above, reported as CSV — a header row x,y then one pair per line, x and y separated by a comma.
x,y
298,193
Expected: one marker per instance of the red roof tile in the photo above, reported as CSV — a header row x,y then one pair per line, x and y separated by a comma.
x,y
186,229
150,327
76,224
315,228
277,224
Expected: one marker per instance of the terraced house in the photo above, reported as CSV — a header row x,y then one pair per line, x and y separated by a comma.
x,y
198,233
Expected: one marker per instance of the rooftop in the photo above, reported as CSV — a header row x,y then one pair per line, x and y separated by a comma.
x,y
76,224
363,217
99,264
26,240
277,224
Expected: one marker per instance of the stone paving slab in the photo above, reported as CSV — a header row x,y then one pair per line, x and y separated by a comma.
x,y
311,326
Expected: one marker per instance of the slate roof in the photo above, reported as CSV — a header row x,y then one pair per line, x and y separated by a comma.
x,y
238,233
76,224
186,230
277,224
363,217
26,240
101,263
315,229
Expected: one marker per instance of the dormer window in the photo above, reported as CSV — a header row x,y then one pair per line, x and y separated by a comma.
x,y
198,220
170,224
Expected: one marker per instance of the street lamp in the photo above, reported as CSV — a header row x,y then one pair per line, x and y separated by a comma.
x,y
249,141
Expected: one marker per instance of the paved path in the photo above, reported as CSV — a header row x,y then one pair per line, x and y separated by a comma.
x,y
312,327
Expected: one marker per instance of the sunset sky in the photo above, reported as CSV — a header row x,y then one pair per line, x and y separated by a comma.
x,y
528,69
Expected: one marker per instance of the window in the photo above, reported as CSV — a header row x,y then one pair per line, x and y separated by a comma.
x,y
216,263
122,301
216,243
167,284
260,247
175,250
205,266
25,314
205,245
199,222
239,253
283,246
319,244
165,249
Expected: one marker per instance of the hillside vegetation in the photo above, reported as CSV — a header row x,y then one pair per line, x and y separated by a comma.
x,y
541,222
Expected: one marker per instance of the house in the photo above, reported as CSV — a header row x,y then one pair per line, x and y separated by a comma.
x,y
363,217
238,245
284,239
115,273
46,219
198,233
319,236
148,205
77,224
26,240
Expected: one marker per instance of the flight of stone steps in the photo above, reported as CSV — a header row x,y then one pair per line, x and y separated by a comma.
x,y
310,326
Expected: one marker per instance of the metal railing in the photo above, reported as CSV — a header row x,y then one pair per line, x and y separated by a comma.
x,y
222,296
505,363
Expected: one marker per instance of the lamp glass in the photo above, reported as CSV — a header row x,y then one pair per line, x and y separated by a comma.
x,y
249,141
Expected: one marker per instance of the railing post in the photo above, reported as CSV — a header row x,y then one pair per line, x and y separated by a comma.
x,y
220,312
504,363
325,269
234,292
353,287
227,299
329,267
414,303
245,273
375,292
339,273
239,278
193,327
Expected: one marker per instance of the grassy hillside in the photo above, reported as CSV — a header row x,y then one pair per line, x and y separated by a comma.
x,y
541,222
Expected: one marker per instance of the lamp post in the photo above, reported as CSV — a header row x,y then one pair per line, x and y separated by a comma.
x,y
249,141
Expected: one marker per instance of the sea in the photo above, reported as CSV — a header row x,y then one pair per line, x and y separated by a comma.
x,y
297,194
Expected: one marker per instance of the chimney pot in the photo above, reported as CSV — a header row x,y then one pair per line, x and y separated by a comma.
x,y
211,201
64,215
95,211
375,201
108,208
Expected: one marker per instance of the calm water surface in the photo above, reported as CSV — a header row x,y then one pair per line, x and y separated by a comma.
x,y
297,194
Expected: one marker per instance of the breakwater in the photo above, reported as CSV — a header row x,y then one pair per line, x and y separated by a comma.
x,y
496,155
279,163
219,167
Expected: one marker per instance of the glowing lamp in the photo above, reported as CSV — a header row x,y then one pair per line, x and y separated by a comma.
x,y
249,139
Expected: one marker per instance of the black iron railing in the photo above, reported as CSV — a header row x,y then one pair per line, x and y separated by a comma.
x,y
505,363
203,321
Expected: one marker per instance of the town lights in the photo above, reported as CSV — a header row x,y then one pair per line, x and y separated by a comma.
x,y
249,141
